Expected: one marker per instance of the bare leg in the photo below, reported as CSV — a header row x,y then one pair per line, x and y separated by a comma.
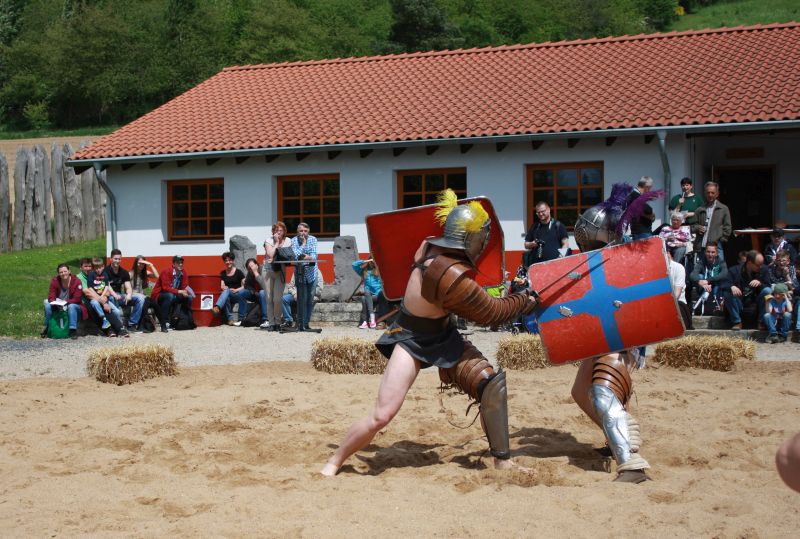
x,y
400,373
580,389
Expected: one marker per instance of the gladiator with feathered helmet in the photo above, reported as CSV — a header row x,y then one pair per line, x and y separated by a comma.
x,y
442,284
603,385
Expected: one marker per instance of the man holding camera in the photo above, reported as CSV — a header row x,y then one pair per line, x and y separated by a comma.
x,y
749,282
545,238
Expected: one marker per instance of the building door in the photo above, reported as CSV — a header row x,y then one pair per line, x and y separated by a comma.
x,y
748,193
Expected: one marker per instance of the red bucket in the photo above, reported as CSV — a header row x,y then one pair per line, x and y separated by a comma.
x,y
207,290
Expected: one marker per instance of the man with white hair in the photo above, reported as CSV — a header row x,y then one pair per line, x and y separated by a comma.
x,y
713,224
642,227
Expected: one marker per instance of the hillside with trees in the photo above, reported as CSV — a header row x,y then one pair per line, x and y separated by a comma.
x,y
66,64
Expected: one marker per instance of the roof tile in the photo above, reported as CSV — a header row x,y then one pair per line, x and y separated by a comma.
x,y
741,74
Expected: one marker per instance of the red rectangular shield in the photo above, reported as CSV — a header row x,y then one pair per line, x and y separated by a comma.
x,y
605,301
395,236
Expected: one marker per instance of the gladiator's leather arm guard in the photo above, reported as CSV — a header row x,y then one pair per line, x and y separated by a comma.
x,y
447,282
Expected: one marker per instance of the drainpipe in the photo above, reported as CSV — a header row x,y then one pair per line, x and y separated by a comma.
x,y
662,149
112,199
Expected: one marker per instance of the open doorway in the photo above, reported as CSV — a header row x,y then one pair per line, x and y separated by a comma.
x,y
748,193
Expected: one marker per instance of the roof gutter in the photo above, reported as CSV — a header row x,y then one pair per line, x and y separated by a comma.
x,y
98,169
105,162
662,150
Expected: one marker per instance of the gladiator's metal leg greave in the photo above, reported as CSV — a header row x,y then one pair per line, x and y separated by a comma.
x,y
623,437
494,412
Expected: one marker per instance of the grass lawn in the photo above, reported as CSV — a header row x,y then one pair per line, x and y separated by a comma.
x,y
25,280
740,12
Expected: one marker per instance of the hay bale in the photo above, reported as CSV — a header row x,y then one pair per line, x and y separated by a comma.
x,y
347,355
704,352
744,348
521,352
129,364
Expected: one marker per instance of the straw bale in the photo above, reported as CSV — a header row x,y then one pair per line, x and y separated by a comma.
x,y
521,352
129,364
347,355
704,352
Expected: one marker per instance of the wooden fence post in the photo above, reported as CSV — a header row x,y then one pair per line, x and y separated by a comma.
x,y
48,195
98,206
57,188
39,223
73,199
30,173
87,178
20,169
5,205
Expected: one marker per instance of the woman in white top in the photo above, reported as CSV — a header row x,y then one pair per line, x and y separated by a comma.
x,y
275,275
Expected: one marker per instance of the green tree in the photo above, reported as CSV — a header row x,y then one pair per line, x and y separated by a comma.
x,y
10,19
421,25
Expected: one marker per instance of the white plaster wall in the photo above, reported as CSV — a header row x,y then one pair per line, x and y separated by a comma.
x,y
368,185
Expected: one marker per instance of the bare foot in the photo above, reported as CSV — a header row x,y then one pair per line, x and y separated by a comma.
x,y
503,464
329,470
508,464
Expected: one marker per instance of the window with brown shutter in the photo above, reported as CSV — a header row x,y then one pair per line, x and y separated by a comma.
x,y
313,199
195,209
569,189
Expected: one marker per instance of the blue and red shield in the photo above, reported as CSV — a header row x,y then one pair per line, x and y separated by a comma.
x,y
605,301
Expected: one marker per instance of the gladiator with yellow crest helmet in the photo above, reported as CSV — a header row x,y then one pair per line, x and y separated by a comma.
x,y
466,226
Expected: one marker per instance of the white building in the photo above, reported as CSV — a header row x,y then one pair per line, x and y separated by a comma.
x,y
328,142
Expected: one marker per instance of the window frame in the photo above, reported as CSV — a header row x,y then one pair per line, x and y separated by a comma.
x,y
321,215
401,174
531,191
208,182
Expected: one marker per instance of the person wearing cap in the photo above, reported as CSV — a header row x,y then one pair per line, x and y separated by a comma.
x,y
686,202
778,314
171,287
778,243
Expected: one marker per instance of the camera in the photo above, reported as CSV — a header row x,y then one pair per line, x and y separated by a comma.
x,y
539,247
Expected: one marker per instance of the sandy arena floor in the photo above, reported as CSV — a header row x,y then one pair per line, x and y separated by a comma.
x,y
234,450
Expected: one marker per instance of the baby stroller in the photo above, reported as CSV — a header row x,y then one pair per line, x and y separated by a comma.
x,y
522,324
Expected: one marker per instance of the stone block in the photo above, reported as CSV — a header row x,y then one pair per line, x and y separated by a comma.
x,y
345,252
242,249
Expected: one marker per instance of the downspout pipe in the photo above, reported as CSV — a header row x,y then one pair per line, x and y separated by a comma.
x,y
662,150
98,169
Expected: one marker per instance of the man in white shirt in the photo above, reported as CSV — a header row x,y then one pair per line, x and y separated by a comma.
x,y
677,278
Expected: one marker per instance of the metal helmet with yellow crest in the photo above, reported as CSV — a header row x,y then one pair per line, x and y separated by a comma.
x,y
466,226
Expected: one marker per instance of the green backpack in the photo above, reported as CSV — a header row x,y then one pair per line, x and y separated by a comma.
x,y
58,328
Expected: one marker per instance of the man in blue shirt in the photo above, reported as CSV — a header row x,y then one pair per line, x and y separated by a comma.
x,y
304,246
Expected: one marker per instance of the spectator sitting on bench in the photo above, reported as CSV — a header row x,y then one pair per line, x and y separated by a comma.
x,y
289,302
676,236
373,291
778,315
98,305
171,287
65,287
709,273
140,274
256,285
121,293
749,284
232,285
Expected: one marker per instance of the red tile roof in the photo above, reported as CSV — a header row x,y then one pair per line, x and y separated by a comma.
x,y
742,74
